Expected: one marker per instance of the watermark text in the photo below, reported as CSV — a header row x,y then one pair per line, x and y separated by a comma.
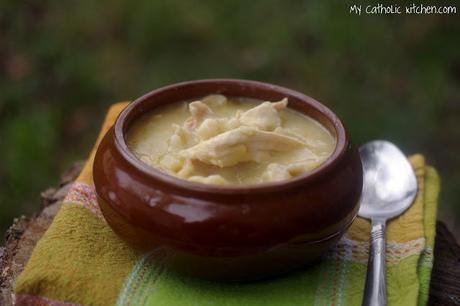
x,y
413,9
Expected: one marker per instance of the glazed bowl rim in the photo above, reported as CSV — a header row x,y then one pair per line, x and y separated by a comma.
x,y
342,143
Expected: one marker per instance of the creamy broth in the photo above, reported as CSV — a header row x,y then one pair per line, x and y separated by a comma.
x,y
230,141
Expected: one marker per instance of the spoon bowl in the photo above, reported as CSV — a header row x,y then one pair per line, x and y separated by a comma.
x,y
390,185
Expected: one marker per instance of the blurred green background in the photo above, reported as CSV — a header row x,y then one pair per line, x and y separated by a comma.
x,y
64,62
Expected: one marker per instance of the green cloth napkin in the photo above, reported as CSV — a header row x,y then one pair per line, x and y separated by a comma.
x,y
80,260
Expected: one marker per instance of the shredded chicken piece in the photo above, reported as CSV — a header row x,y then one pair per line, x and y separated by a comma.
x,y
239,145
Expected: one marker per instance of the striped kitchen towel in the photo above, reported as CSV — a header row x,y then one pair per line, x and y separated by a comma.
x,y
80,261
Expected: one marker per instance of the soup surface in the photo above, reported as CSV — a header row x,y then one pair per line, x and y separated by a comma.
x,y
230,141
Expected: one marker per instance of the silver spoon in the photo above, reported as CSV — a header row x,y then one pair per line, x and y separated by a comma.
x,y
389,188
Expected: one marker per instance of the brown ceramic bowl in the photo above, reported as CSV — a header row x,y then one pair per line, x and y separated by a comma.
x,y
228,233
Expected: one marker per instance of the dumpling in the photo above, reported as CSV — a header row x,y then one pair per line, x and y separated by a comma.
x,y
212,179
211,127
215,100
181,138
198,111
264,116
276,172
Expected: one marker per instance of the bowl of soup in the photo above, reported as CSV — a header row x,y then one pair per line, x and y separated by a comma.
x,y
228,179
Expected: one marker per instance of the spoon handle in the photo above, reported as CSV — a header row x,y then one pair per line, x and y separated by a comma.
x,y
375,290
